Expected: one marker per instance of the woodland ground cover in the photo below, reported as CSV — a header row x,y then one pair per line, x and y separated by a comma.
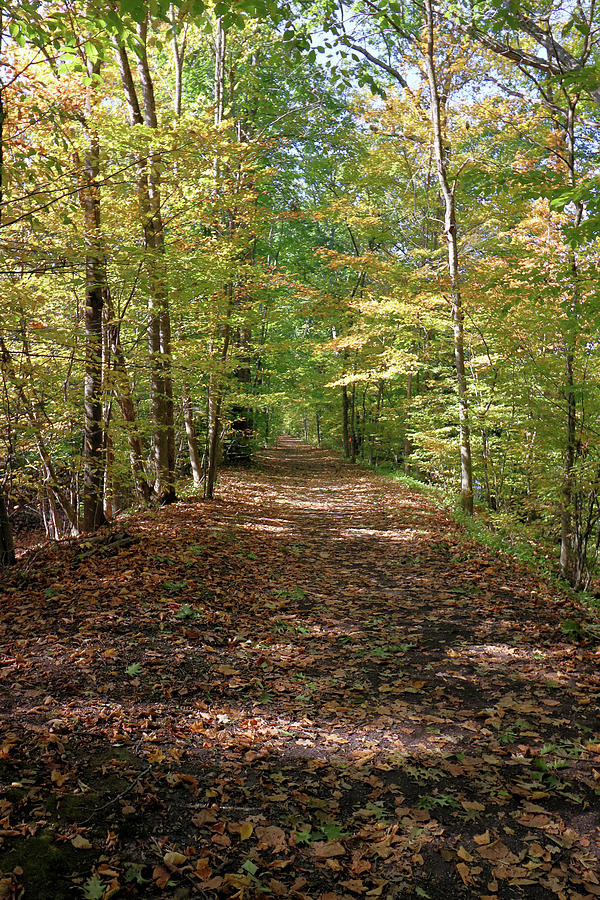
x,y
313,686
373,225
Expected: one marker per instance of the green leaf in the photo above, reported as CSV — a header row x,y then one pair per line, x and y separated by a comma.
x,y
571,627
134,669
94,888
332,831
134,873
303,837
250,867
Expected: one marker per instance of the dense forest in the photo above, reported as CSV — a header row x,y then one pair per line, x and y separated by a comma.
x,y
374,226
299,326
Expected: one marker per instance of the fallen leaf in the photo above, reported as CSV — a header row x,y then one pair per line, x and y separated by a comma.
x,y
81,843
497,852
271,838
173,858
328,849
465,873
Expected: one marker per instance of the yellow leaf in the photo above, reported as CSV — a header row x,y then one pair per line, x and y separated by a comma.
x,y
173,858
464,854
246,829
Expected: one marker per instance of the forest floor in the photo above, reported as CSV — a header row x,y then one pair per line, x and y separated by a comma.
x,y
314,688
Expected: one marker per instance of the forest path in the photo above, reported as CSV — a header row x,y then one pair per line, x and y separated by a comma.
x,y
313,687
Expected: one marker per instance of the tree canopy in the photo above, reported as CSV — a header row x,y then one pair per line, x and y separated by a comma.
x,y
373,225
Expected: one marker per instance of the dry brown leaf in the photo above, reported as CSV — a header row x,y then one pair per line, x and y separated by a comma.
x,y
271,838
465,873
354,885
212,884
482,838
160,876
475,805
203,817
497,852
328,849
203,869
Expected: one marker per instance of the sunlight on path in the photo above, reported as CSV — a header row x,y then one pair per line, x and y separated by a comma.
x,y
328,694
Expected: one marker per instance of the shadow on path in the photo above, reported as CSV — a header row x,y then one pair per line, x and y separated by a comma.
x,y
311,688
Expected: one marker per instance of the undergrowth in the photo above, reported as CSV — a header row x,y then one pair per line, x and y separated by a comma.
x,y
500,532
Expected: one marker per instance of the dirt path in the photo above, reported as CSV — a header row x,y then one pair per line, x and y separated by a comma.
x,y
313,688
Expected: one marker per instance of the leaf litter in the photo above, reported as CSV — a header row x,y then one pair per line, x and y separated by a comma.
x,y
313,687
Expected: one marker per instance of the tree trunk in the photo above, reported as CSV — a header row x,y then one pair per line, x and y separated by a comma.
x,y
122,388
190,433
353,421
567,542
572,545
215,386
215,399
37,429
7,554
450,229
178,49
159,323
95,287
485,456
407,446
345,426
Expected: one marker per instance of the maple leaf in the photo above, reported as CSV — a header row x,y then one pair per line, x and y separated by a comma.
x,y
94,888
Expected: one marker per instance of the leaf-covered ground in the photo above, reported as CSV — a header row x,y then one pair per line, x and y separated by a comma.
x,y
313,688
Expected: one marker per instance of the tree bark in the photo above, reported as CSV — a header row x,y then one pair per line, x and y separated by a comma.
x,y
215,399
572,551
7,554
345,422
215,383
353,420
190,432
451,232
95,288
122,388
407,447
178,47
159,323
